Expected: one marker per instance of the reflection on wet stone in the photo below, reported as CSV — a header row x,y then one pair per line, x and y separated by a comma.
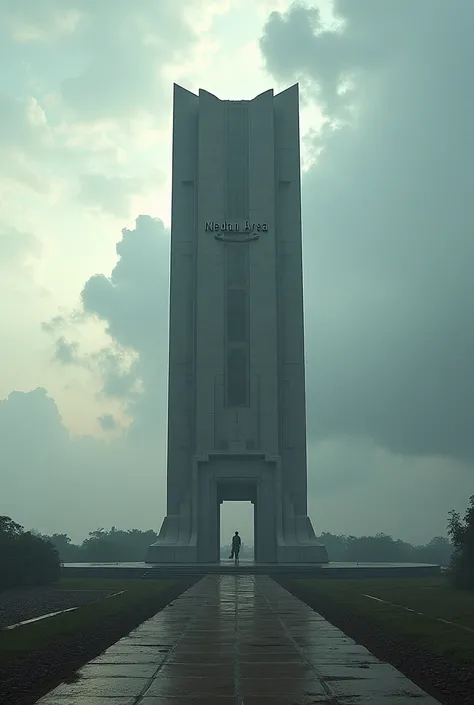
x,y
237,640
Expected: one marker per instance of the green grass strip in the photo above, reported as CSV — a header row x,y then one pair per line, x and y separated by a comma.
x,y
17,642
433,597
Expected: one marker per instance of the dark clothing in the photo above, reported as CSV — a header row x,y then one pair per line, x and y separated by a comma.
x,y
236,543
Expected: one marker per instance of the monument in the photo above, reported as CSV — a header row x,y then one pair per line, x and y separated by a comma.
x,y
236,409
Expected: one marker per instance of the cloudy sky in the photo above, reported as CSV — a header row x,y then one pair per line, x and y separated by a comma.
x,y
388,184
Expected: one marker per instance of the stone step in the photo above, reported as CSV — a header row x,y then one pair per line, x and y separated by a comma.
x,y
180,570
177,570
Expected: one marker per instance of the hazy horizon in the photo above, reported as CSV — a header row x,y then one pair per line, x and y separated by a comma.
x,y
388,227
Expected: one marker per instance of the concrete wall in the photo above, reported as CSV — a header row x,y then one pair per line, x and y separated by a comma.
x,y
210,267
292,404
263,293
181,431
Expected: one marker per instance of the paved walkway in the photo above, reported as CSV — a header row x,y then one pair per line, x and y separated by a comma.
x,y
237,640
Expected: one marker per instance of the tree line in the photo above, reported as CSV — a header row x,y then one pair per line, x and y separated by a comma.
x,y
116,545
104,546
31,558
382,548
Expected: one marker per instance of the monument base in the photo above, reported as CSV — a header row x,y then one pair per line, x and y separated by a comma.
x,y
175,545
298,543
176,542
303,553
296,553
171,553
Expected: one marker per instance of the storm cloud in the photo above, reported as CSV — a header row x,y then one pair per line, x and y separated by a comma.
x,y
388,220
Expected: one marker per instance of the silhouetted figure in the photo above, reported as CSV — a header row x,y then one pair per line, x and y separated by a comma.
x,y
236,544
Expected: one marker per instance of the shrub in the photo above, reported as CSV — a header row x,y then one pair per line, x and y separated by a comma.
x,y
25,559
461,531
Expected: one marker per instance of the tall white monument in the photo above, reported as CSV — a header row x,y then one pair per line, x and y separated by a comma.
x,y
236,413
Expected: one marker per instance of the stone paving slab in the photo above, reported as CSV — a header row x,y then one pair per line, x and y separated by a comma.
x,y
237,640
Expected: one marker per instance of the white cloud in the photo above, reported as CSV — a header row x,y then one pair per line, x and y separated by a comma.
x,y
113,194
17,249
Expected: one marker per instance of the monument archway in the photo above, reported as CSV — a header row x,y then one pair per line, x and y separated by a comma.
x,y
233,479
237,515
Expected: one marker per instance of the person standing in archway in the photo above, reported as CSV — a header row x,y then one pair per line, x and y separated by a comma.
x,y
236,544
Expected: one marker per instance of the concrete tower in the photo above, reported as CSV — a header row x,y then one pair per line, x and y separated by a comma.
x,y
236,413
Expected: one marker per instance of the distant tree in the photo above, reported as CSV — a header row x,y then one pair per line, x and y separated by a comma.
x,y
96,549
461,532
117,545
439,550
68,551
336,545
378,549
10,528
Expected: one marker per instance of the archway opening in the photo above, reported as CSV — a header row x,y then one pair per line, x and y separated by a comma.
x,y
237,516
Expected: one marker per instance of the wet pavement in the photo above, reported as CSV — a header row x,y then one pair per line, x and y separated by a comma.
x,y
237,640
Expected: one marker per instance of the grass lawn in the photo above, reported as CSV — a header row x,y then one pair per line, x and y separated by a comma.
x,y
432,596
18,642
